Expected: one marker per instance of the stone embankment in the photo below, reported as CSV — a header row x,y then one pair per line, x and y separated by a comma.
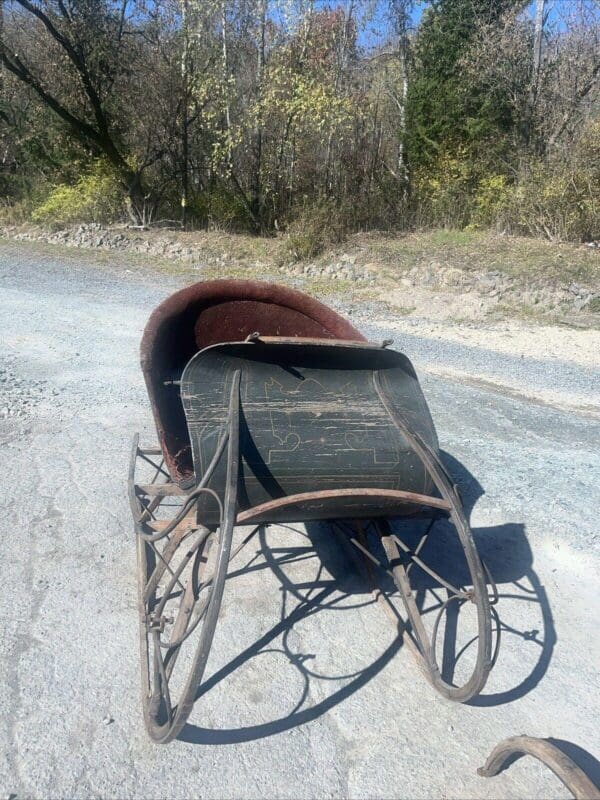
x,y
484,291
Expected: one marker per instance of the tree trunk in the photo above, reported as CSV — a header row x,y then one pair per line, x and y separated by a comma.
x,y
538,31
400,11
185,81
403,56
2,112
141,205
537,38
341,65
256,201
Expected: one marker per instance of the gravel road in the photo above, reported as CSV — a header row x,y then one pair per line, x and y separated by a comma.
x,y
323,701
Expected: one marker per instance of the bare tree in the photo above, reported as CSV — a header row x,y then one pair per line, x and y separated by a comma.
x,y
538,35
400,12
2,111
256,188
65,25
575,89
185,104
550,89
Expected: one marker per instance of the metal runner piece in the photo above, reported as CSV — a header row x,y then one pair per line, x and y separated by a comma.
x,y
572,776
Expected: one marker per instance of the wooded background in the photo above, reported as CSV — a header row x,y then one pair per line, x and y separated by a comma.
x,y
310,117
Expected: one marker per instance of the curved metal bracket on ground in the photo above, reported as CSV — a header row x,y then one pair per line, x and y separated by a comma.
x,y
573,777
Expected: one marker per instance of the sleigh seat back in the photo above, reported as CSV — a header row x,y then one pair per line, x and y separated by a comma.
x,y
316,441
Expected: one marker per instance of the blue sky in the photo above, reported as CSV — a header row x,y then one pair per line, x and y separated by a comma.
x,y
377,30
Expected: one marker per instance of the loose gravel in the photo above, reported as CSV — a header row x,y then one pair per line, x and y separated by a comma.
x,y
311,698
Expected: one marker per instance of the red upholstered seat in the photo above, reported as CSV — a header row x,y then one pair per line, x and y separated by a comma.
x,y
208,313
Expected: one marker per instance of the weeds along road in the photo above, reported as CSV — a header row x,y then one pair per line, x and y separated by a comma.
x,y
332,705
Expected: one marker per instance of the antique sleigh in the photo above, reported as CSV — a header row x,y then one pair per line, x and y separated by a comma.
x,y
272,408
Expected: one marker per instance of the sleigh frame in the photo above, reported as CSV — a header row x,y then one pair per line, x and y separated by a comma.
x,y
287,429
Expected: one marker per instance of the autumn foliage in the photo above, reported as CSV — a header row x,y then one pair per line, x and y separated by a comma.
x,y
292,115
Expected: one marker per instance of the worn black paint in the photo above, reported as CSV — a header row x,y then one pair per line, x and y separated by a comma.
x,y
310,419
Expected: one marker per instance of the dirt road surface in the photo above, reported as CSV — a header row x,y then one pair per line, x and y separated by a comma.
x,y
302,698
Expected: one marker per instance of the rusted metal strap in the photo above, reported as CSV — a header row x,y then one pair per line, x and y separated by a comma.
x,y
410,498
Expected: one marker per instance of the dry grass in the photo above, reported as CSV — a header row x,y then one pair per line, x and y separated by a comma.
x,y
526,260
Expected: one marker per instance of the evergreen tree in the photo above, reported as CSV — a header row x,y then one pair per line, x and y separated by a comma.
x,y
444,108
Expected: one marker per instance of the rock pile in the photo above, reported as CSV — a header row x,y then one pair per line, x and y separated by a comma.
x,y
345,269
500,287
95,236
583,298
493,286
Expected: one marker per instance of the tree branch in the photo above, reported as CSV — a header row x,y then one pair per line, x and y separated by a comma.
x,y
78,61
85,132
581,95
82,129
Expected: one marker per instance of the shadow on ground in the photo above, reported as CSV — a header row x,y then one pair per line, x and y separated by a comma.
x,y
342,582
583,759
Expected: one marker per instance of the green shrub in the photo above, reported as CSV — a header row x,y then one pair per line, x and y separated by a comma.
x,y
557,200
96,197
314,227
444,191
490,199
220,209
561,202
